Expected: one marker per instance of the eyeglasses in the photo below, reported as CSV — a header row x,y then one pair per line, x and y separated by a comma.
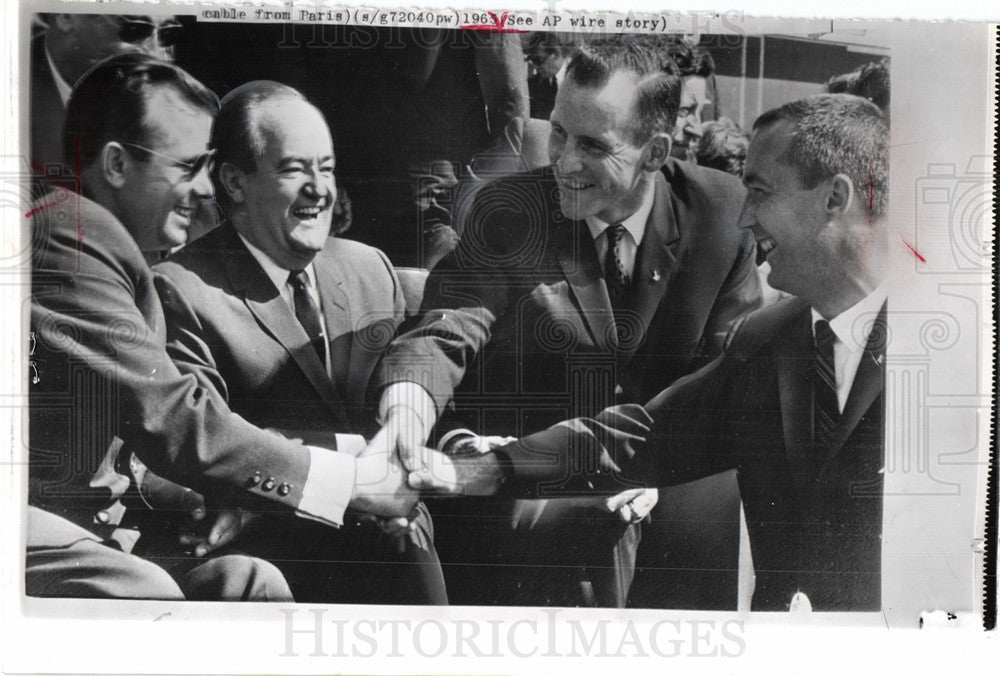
x,y
136,30
191,169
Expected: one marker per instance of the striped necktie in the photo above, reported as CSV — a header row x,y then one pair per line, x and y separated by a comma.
x,y
307,312
614,264
826,410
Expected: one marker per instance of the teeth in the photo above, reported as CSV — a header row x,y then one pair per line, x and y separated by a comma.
x,y
307,212
764,247
575,185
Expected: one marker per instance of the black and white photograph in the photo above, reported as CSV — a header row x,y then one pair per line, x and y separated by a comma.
x,y
523,334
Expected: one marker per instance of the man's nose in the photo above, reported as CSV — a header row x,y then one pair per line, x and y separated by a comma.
x,y
201,184
568,159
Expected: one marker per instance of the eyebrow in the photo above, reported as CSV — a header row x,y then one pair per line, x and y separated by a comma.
x,y
303,160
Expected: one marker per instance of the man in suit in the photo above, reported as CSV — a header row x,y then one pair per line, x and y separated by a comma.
x,y
106,391
286,324
796,402
70,45
592,281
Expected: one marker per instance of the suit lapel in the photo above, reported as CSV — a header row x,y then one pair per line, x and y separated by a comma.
x,y
336,310
264,301
869,382
577,256
654,263
793,361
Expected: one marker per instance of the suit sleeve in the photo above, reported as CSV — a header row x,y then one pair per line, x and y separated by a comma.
x,y
326,488
583,455
687,440
175,425
739,295
465,294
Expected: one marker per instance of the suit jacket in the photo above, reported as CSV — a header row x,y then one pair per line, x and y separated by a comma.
x,y
814,514
47,115
106,382
229,326
517,323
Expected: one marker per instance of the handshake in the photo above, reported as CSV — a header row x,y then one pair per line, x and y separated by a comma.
x,y
396,466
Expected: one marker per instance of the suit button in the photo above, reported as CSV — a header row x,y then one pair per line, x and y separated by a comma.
x,y
284,489
269,484
255,479
103,516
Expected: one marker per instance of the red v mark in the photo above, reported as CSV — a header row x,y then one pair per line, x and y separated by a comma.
x,y
499,22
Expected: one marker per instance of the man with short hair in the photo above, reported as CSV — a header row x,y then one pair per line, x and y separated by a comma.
x,y
286,324
70,45
592,281
796,402
138,128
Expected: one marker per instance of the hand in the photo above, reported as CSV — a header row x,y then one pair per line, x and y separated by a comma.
x,y
380,486
632,506
228,524
406,430
473,444
441,474
398,528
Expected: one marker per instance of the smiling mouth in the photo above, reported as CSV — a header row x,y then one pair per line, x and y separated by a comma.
x,y
765,246
573,184
185,212
307,213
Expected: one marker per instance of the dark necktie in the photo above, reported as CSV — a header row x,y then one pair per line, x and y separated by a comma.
x,y
307,312
826,411
614,263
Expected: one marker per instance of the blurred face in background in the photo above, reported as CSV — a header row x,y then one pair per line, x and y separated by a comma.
x,y
687,132
78,42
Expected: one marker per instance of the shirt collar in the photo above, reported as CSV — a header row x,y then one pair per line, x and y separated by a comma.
x,y
843,325
635,224
63,87
277,274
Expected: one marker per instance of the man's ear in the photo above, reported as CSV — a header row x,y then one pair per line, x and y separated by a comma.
x,y
657,152
113,164
840,196
233,182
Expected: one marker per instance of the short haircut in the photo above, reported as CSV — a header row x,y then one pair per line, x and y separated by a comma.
x,y
837,134
722,146
659,91
109,103
236,135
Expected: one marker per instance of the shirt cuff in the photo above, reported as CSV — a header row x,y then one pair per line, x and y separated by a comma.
x,y
411,396
453,436
329,486
351,444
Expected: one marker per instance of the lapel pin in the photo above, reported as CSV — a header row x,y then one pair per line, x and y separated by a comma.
x,y
655,276
879,359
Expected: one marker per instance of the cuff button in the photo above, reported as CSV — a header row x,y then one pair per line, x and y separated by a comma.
x,y
269,484
284,489
255,479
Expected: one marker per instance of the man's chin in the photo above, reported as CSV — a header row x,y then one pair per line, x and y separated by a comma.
x,y
575,211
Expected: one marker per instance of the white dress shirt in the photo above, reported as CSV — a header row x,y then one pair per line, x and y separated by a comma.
x,y
852,327
329,485
634,224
